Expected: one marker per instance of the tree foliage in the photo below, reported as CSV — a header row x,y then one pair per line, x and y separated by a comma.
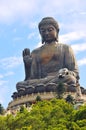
x,y
55,114
1,109
70,99
38,98
60,90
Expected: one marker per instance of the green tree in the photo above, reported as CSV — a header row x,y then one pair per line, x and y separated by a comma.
x,y
81,123
55,114
38,98
9,120
60,89
80,114
1,109
3,124
72,126
70,99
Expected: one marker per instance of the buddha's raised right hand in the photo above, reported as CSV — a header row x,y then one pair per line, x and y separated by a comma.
x,y
27,62
26,56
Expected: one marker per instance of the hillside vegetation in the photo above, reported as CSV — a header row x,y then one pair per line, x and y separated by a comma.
x,y
55,114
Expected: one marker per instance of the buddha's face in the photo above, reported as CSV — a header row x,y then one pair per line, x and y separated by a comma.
x,y
48,33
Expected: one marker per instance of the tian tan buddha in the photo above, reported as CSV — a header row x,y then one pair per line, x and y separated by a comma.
x,y
50,64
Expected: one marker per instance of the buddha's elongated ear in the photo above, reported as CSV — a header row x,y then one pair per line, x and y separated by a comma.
x,y
43,41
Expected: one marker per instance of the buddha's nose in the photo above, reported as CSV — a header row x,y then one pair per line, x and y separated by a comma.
x,y
46,32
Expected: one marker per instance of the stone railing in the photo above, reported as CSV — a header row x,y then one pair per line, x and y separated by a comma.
x,y
31,98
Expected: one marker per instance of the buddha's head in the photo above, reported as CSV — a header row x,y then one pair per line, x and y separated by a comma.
x,y
49,29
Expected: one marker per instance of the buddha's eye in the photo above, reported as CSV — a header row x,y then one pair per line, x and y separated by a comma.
x,y
50,29
42,30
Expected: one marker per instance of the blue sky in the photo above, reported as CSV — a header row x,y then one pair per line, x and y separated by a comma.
x,y
19,29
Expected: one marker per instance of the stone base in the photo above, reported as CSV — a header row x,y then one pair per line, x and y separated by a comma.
x,y
31,98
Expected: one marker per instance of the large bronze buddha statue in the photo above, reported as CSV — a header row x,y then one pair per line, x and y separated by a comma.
x,y
51,63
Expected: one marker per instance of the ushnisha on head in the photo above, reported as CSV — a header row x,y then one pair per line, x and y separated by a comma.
x,y
46,22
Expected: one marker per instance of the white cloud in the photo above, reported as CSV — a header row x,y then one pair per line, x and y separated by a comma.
x,y
14,30
1,76
61,7
10,62
72,36
39,44
6,74
79,47
17,38
2,83
10,73
82,62
14,9
83,13
33,25
11,10
31,35
3,90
